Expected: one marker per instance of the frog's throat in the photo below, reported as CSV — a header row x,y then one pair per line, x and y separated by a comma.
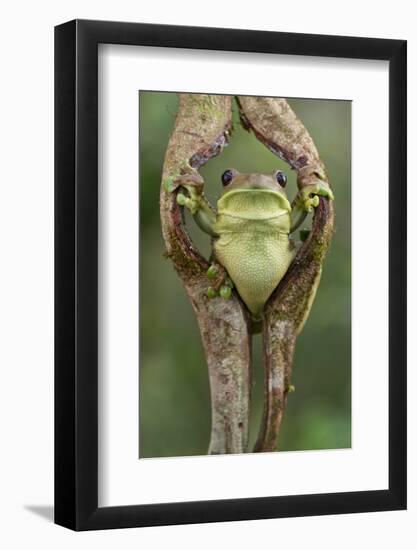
x,y
259,204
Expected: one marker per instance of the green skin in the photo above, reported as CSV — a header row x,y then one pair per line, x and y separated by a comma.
x,y
251,233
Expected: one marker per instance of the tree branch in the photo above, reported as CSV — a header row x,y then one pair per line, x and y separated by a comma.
x,y
202,128
276,125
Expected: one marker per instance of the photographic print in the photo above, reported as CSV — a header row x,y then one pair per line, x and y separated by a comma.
x,y
245,305
210,249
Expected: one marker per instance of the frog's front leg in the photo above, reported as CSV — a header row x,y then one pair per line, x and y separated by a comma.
x,y
205,217
202,211
306,200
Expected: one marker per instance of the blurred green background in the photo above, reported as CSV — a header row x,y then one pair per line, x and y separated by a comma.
x,y
174,394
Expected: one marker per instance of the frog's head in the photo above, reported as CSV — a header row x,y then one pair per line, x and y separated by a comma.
x,y
254,196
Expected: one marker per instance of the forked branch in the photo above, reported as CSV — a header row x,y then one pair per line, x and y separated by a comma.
x,y
203,127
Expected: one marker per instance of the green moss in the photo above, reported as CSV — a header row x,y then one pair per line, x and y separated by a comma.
x,y
186,265
168,184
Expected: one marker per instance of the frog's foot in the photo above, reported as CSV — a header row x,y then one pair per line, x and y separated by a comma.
x,y
224,291
308,197
204,215
193,184
186,175
221,284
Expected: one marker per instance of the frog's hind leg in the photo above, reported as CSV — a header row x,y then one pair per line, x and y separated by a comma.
x,y
296,245
221,284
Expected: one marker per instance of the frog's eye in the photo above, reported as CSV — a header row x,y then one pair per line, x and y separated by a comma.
x,y
227,177
281,178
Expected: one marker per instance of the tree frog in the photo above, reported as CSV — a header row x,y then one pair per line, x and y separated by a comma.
x,y
251,230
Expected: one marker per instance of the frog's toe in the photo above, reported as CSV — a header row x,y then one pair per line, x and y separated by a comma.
x,y
218,274
181,199
315,201
310,194
189,203
212,292
212,271
321,188
225,292
325,191
311,202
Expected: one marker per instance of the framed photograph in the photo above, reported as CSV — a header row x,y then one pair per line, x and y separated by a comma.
x,y
230,255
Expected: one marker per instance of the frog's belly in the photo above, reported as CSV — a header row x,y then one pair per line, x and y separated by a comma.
x,y
255,264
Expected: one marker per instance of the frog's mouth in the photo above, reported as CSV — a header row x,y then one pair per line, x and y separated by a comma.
x,y
253,204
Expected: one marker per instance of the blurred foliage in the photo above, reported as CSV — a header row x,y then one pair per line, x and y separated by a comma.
x,y
174,389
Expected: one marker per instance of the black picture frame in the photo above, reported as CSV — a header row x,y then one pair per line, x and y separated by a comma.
x,y
76,272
